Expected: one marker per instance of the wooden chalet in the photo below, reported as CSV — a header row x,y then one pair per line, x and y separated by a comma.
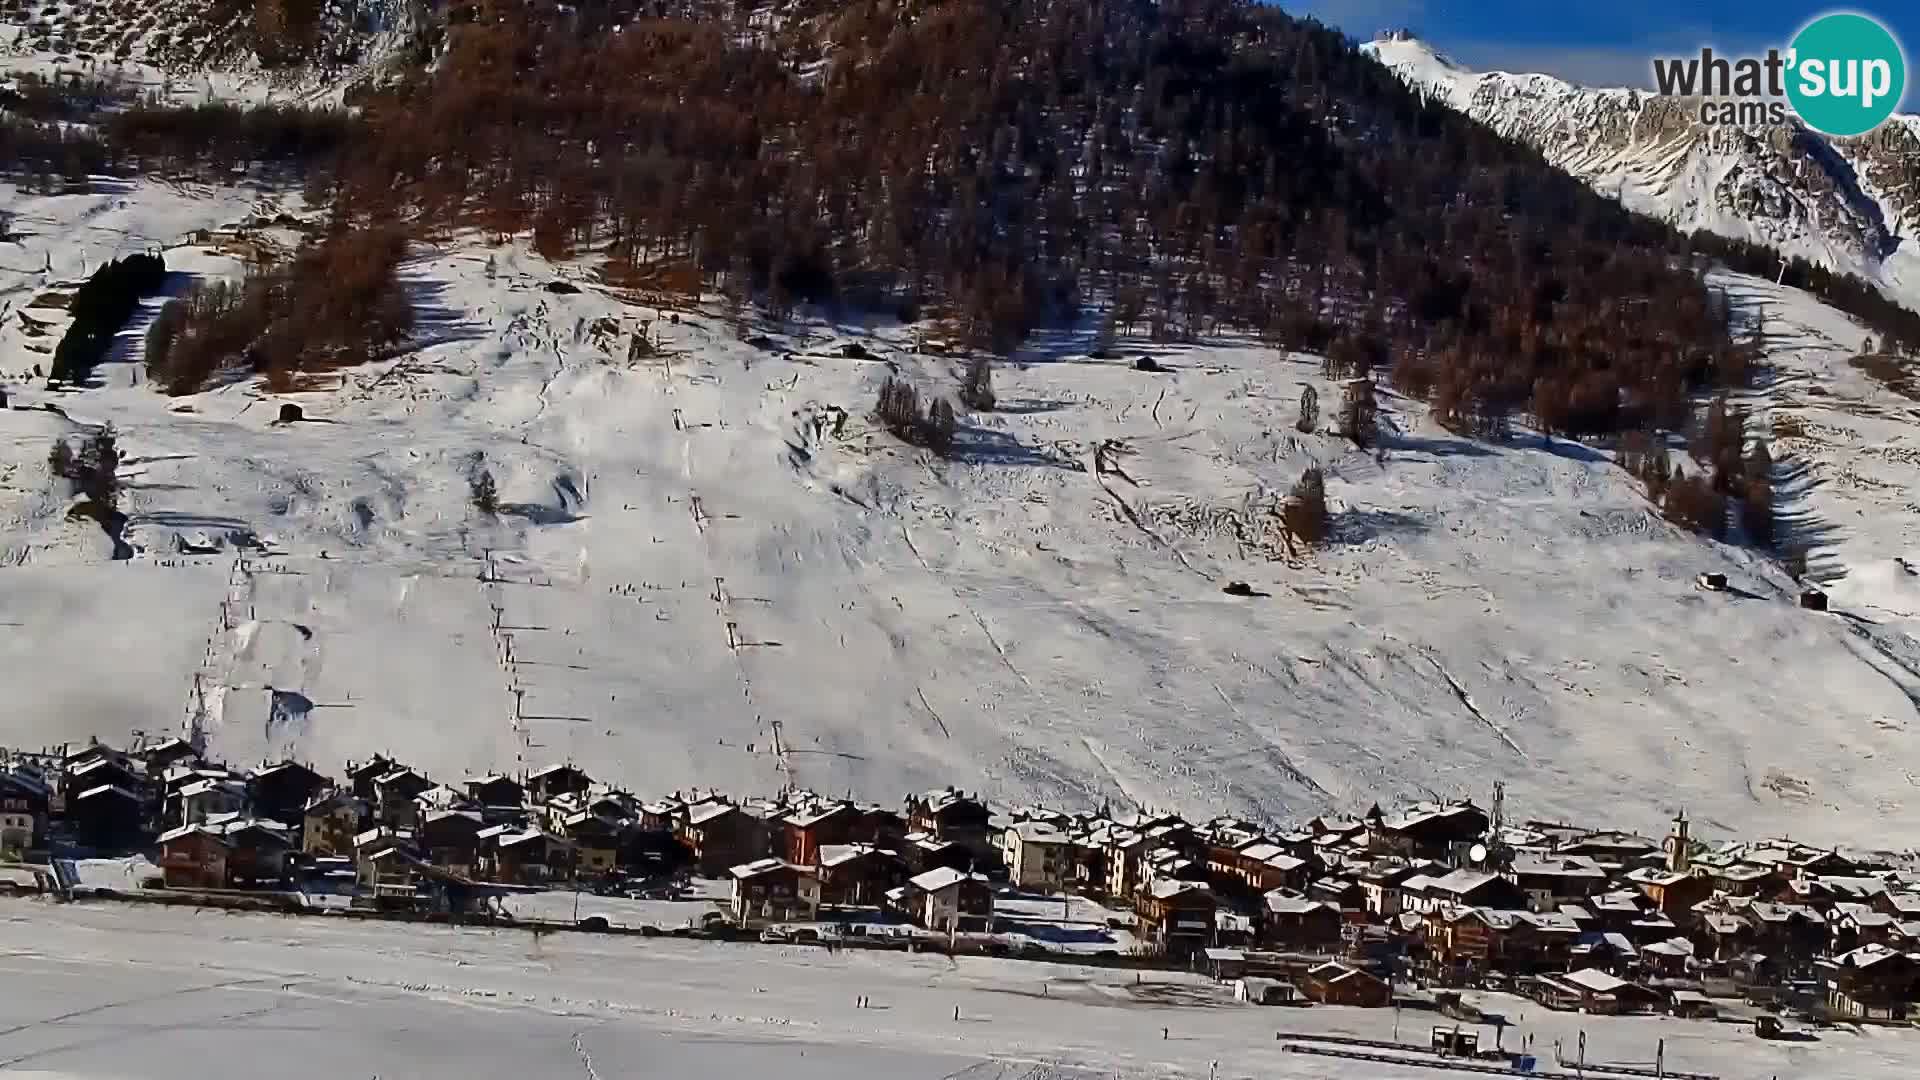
x,y
1872,982
282,791
24,801
807,831
1428,831
556,780
947,900
364,777
1334,983
256,853
164,754
1176,917
719,836
1292,920
194,857
330,821
955,817
858,875
596,843
774,890
450,839
108,817
393,797
494,790
532,857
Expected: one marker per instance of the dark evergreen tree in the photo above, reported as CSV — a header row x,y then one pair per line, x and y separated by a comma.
x,y
976,386
940,427
1305,511
1360,413
485,493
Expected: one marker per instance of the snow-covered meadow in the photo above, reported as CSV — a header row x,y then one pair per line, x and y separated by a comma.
x,y
117,991
694,546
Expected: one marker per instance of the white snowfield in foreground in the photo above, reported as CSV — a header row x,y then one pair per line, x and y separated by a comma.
x,y
693,546
114,991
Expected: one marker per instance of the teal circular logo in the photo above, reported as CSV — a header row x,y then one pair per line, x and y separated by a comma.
x,y
1846,74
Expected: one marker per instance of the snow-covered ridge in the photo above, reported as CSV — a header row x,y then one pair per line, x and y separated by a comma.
x,y
1843,203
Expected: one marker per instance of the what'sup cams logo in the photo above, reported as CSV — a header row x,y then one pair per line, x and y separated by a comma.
x,y
1843,75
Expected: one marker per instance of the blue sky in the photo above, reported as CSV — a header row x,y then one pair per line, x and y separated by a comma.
x,y
1601,42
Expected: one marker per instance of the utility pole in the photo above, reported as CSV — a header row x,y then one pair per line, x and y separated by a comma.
x,y
781,761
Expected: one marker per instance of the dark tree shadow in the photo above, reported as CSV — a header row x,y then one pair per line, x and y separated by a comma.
x,y
435,322
1442,447
539,514
1028,408
1797,526
985,446
1362,525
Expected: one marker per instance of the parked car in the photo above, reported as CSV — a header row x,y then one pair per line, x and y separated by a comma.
x,y
773,937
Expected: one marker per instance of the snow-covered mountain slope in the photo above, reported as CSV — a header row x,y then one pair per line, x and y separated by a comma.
x,y
1850,204
182,50
695,546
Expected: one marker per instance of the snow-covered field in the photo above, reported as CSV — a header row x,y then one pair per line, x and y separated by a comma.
x,y
117,991
690,553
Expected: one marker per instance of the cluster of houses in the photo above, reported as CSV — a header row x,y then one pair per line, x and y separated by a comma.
x,y
385,832
1335,910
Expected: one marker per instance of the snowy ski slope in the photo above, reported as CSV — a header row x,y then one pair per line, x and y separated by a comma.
x,y
693,550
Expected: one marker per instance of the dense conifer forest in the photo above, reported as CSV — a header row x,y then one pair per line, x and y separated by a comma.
x,y
1175,169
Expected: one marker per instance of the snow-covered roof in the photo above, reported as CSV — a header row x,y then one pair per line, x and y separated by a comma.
x,y
1721,922
1595,980
1040,832
334,798
1283,903
530,835
171,835
1677,946
759,867
943,877
108,789
211,785
1561,866
705,812
1421,813
1167,888
1462,882
382,834
1658,877
1619,944
99,765
1867,956
840,854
